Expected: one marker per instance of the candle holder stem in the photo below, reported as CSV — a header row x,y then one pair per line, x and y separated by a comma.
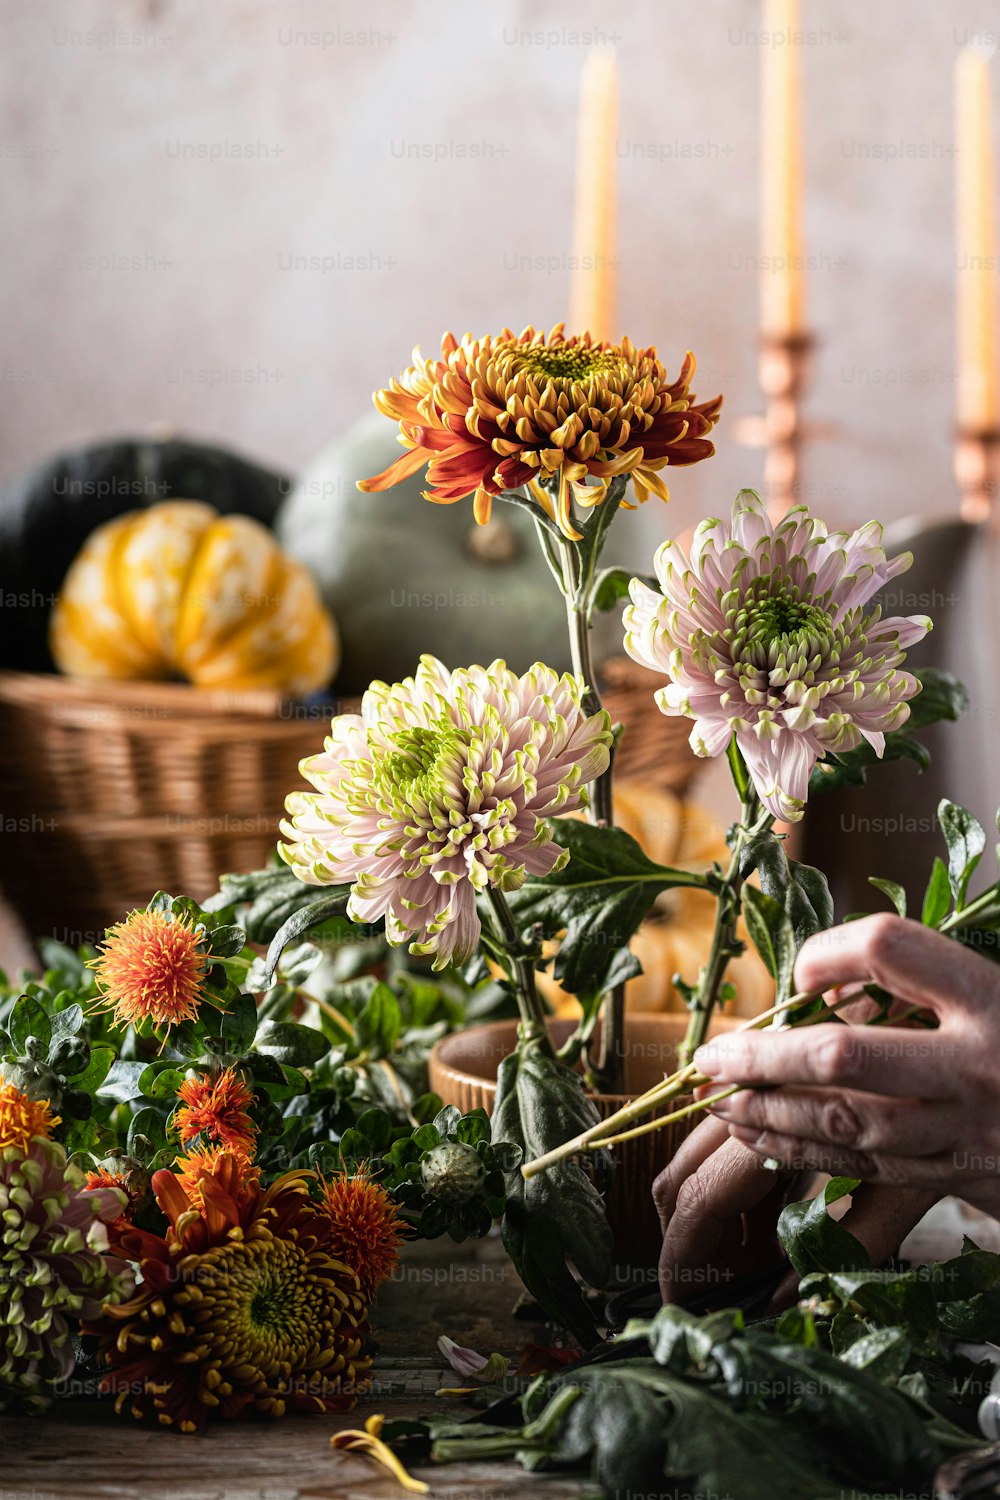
x,y
977,470
784,365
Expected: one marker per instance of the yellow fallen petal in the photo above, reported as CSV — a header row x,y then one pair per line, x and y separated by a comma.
x,y
368,1444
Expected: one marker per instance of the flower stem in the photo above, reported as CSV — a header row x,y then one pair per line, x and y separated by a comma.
x,y
606,1064
685,1078
661,1120
520,967
725,944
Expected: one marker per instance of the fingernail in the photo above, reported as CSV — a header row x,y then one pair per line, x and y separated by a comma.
x,y
721,1111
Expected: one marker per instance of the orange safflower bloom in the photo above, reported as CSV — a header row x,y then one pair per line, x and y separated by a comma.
x,y
151,967
365,1228
217,1108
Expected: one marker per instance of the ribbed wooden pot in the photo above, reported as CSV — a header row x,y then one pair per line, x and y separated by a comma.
x,y
463,1070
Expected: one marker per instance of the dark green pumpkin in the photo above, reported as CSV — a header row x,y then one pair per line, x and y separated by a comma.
x,y
47,514
404,576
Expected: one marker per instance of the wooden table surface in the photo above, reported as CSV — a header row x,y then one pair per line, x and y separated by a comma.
x,y
82,1451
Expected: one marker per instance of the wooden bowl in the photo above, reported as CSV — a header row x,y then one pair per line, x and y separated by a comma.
x,y
463,1070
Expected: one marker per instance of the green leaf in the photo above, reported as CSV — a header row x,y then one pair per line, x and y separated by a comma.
x,y
151,1126
941,696
238,1023
851,768
426,1137
161,1081
595,528
278,1081
895,893
303,920
375,1125
612,585
474,1128
227,941
122,1082
883,1353
288,1042
801,889
378,1026
840,1402
772,935
66,1022
966,840
28,1017
265,899
813,1241
808,901
557,1215
97,1069
599,899
937,897
641,1422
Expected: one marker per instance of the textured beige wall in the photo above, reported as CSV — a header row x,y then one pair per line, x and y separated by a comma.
x,y
152,275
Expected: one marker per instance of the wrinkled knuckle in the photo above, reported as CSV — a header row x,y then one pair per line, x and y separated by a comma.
x,y
693,1197
832,1057
839,1122
663,1188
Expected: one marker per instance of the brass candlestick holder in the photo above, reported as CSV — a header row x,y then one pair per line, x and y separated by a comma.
x,y
977,470
783,370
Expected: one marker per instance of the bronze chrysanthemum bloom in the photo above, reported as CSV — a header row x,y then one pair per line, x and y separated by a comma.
x,y
563,415
242,1306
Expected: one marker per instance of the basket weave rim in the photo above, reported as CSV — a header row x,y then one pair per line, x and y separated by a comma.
x,y
160,708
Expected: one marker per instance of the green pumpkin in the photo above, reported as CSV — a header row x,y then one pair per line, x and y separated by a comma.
x,y
404,576
47,514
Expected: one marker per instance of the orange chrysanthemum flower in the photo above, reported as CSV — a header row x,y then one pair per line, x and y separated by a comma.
x,y
365,1228
217,1108
242,1306
21,1118
506,410
152,967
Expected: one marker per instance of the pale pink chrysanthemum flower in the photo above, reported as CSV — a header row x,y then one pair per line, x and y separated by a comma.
x,y
439,790
764,634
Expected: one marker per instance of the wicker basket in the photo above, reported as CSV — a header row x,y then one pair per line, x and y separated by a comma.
x,y
111,791
653,748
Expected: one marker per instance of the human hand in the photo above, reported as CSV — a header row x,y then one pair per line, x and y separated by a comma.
x,y
895,1106
719,1206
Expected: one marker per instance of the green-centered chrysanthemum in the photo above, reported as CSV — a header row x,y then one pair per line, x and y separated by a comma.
x,y
54,1268
438,790
560,413
242,1305
768,633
